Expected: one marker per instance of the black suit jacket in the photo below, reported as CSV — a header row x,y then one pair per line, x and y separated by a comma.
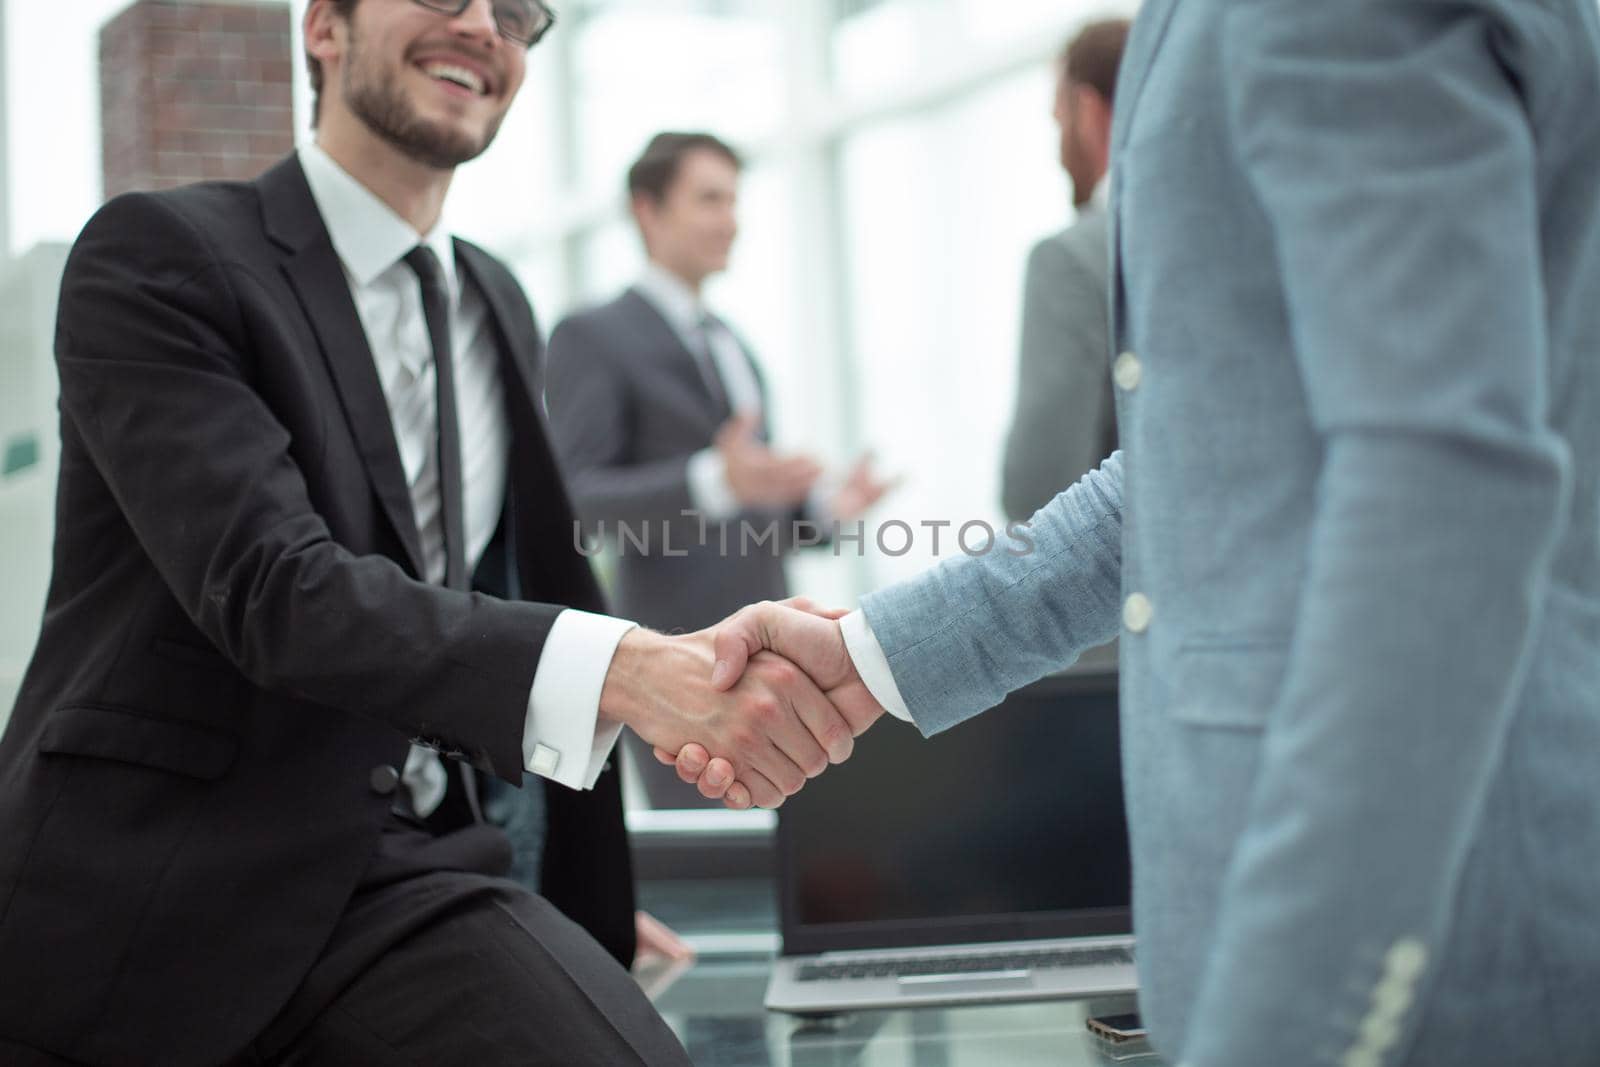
x,y
236,642
628,407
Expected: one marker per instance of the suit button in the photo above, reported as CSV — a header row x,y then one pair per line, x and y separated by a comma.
x,y
383,780
1127,372
1136,613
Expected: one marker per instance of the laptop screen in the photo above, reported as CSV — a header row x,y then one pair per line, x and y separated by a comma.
x,y
1009,826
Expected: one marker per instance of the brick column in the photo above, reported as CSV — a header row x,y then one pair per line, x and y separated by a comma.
x,y
193,90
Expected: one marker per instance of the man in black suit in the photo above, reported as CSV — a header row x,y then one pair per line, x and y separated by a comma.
x,y
298,424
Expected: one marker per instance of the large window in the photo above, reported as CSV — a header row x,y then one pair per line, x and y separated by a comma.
x,y
901,163
940,207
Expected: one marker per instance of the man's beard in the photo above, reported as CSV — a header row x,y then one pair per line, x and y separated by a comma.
x,y
380,103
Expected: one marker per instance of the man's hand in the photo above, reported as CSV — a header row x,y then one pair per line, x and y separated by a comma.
x,y
806,636
861,489
771,723
758,476
656,938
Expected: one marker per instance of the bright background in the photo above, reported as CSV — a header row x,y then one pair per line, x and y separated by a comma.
x,y
902,161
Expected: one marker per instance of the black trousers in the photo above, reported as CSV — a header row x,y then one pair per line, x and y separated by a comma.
x,y
438,961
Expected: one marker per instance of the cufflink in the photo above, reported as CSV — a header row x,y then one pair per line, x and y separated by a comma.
x,y
545,760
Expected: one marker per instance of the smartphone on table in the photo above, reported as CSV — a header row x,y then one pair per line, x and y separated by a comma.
x,y
1117,1028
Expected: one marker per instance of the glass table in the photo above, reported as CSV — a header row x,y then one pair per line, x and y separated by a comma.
x,y
714,1006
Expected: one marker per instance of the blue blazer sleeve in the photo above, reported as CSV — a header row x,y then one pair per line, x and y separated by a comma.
x,y
962,635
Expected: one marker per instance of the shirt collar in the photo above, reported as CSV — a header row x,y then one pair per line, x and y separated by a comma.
x,y
672,296
366,233
1102,191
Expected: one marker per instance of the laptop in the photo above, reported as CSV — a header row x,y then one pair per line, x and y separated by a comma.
x,y
987,864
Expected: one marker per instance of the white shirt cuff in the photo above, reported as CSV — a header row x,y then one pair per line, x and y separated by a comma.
x,y
872,664
819,502
563,739
709,490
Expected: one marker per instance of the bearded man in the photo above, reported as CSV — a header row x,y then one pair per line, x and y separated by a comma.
x,y
311,539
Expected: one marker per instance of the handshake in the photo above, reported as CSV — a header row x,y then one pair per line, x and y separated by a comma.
x,y
748,709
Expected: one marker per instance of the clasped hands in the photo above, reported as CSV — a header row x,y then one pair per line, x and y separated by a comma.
x,y
748,709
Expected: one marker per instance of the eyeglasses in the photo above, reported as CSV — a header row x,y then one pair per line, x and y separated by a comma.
x,y
522,21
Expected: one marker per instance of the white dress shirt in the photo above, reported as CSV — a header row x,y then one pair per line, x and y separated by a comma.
x,y
562,737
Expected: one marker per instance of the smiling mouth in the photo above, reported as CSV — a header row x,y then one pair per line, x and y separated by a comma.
x,y
452,74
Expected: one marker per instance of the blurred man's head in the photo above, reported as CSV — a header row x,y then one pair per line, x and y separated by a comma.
x,y
432,78
1086,86
684,191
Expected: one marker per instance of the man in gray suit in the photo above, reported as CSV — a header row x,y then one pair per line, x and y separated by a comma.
x,y
1065,421
657,413
1351,540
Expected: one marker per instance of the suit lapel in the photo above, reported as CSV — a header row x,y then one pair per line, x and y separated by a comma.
x,y
1149,29
538,515
533,485
314,272
522,390
687,365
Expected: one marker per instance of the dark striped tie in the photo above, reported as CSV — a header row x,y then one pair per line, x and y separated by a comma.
x,y
436,310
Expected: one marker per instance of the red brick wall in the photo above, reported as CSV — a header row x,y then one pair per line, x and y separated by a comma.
x,y
194,89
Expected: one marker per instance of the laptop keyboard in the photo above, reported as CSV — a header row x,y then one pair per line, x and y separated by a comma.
x,y
903,966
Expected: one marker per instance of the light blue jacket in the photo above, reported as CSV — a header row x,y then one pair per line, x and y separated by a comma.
x,y
1355,525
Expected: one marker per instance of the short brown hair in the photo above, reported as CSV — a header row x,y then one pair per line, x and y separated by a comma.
x,y
1093,56
653,173
344,8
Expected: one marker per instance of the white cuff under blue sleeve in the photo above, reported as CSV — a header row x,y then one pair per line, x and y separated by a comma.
x,y
563,738
709,490
872,664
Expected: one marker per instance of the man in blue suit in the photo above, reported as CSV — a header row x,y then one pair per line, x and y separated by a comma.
x,y
1351,543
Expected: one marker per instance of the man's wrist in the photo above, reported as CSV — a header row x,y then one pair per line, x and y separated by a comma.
x,y
622,697
871,665
644,687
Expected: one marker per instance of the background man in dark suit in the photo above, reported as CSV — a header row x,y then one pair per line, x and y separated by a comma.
x,y
298,423
657,411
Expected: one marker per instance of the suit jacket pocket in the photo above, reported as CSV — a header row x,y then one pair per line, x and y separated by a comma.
x,y
195,655
129,737
1228,681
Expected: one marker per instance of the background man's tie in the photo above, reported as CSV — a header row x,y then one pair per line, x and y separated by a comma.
x,y
705,327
